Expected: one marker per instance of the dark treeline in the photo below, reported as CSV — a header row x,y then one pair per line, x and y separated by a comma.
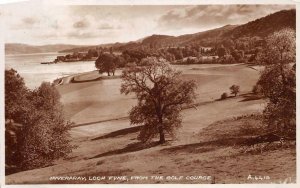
x,y
227,51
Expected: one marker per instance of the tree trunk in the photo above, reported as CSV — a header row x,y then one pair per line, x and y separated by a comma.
x,y
108,73
161,134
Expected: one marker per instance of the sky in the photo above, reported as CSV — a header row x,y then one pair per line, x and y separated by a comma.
x,y
38,24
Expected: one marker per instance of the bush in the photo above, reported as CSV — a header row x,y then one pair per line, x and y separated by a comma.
x,y
224,96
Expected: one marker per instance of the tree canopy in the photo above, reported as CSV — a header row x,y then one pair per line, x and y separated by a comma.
x,y
221,51
35,126
106,63
235,89
161,95
278,82
15,95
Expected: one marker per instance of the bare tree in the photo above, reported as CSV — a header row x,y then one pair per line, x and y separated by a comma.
x,y
161,95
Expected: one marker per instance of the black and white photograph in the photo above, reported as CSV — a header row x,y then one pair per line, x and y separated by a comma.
x,y
129,93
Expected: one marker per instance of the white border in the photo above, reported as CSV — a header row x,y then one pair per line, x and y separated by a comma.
x,y
166,2
2,123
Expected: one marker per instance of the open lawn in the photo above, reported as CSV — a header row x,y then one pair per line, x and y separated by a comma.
x,y
101,100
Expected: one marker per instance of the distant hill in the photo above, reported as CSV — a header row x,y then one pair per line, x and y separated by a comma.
x,y
205,38
16,48
262,27
86,48
159,41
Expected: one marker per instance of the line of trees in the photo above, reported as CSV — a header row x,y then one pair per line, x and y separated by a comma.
x,y
224,51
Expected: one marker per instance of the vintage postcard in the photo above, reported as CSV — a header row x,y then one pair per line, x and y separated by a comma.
x,y
175,92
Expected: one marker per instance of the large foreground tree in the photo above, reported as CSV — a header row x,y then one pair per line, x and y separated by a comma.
x,y
36,132
278,82
161,96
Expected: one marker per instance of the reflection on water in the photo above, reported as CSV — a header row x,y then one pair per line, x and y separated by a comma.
x,y
34,73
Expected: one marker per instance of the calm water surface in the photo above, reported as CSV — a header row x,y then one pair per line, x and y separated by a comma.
x,y
34,73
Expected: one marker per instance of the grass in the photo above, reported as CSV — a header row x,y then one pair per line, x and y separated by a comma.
x,y
215,154
104,95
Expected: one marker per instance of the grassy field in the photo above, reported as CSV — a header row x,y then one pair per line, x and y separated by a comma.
x,y
101,100
209,143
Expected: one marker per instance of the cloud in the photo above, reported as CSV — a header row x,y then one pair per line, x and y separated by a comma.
x,y
88,34
94,24
81,35
171,16
29,21
81,24
209,16
25,23
106,26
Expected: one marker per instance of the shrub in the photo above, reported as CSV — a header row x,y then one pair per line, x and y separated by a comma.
x,y
224,96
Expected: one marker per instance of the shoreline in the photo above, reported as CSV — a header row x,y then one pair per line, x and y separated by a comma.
x,y
71,79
